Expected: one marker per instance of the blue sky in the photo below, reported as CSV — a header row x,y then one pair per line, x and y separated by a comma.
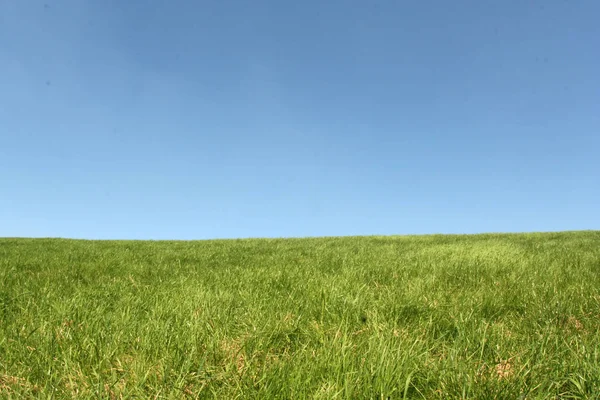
x,y
214,119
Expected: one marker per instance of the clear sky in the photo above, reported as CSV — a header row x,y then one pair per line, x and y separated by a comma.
x,y
173,119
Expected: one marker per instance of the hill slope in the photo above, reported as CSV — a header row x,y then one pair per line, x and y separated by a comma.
x,y
477,316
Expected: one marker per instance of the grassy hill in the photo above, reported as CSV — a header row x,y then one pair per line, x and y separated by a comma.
x,y
464,316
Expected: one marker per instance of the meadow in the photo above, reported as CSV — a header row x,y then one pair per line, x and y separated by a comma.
x,y
493,316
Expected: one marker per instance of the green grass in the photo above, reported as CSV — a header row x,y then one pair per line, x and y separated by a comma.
x,y
502,316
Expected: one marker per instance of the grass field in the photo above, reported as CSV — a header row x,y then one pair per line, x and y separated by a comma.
x,y
435,317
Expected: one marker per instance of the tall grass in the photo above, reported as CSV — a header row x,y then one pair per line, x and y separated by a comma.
x,y
435,317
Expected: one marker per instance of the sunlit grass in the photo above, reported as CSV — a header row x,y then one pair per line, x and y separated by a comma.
x,y
484,316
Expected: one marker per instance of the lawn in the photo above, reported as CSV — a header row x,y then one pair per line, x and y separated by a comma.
x,y
503,316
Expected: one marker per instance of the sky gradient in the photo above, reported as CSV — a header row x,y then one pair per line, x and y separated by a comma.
x,y
213,119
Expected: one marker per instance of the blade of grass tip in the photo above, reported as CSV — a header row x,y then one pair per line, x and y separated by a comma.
x,y
483,342
407,384
322,304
